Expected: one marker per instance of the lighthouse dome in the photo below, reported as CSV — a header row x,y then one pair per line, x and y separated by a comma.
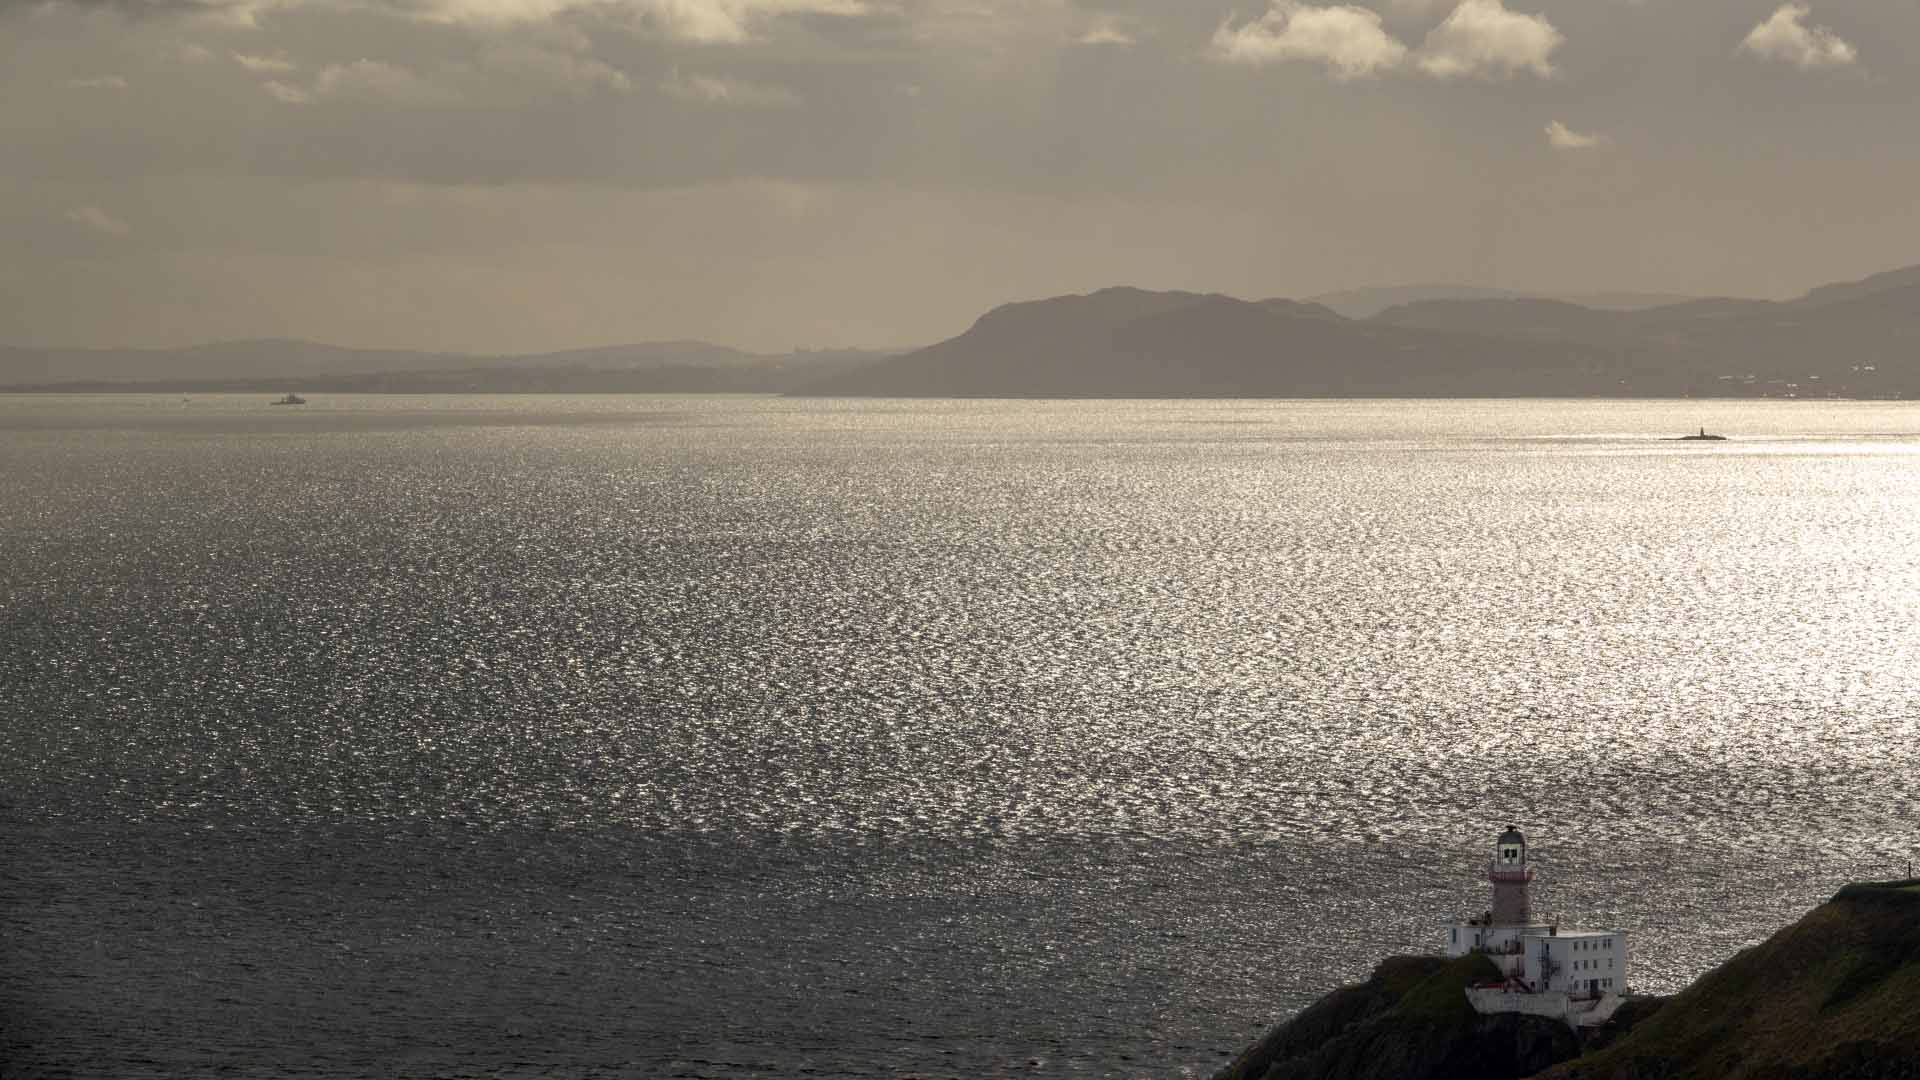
x,y
1511,836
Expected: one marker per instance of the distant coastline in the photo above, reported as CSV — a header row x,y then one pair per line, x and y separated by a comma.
x,y
1858,340
275,367
1855,340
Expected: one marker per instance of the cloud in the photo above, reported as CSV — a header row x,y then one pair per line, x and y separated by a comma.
x,y
697,21
1562,137
265,65
713,22
733,21
1348,40
1482,39
1105,32
989,27
99,82
232,14
1787,38
714,90
215,9
94,219
532,67
287,92
365,82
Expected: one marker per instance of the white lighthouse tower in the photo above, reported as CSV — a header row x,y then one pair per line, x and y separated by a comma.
x,y
1499,930
1579,976
1510,875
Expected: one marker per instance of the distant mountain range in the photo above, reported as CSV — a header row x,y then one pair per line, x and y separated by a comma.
x,y
1366,303
1858,339
1853,339
278,365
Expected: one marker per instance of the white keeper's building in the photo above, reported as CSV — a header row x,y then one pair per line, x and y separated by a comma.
x,y
1579,976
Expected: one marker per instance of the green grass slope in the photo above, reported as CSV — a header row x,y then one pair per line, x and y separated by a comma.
x,y
1836,995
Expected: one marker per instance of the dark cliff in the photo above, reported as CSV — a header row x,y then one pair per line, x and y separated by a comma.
x,y
1410,1021
1835,996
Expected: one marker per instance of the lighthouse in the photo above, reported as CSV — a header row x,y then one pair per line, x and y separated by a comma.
x,y
1579,976
1510,875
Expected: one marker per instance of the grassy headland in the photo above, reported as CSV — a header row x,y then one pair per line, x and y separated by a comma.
x,y
1835,996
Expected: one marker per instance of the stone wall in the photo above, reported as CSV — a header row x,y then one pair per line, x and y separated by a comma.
x,y
1554,1004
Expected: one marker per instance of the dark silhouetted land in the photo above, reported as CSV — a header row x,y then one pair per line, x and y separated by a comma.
x,y
1860,339
1836,995
1853,340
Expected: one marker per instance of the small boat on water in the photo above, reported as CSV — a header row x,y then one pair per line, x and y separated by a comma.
x,y
1702,437
291,399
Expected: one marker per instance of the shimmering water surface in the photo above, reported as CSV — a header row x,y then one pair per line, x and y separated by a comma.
x,y
731,736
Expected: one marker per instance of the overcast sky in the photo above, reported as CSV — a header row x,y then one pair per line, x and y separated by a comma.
x,y
503,175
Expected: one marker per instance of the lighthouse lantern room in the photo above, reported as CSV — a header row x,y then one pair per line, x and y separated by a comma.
x,y
1510,875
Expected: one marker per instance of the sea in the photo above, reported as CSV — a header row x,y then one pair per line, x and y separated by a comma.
x,y
619,736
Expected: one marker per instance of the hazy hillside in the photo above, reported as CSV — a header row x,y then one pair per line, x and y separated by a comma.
x,y
273,365
1538,320
1877,283
1853,339
1366,303
220,360
1857,340
641,356
1130,343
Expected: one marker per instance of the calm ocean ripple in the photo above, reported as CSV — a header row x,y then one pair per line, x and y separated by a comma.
x,y
525,736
